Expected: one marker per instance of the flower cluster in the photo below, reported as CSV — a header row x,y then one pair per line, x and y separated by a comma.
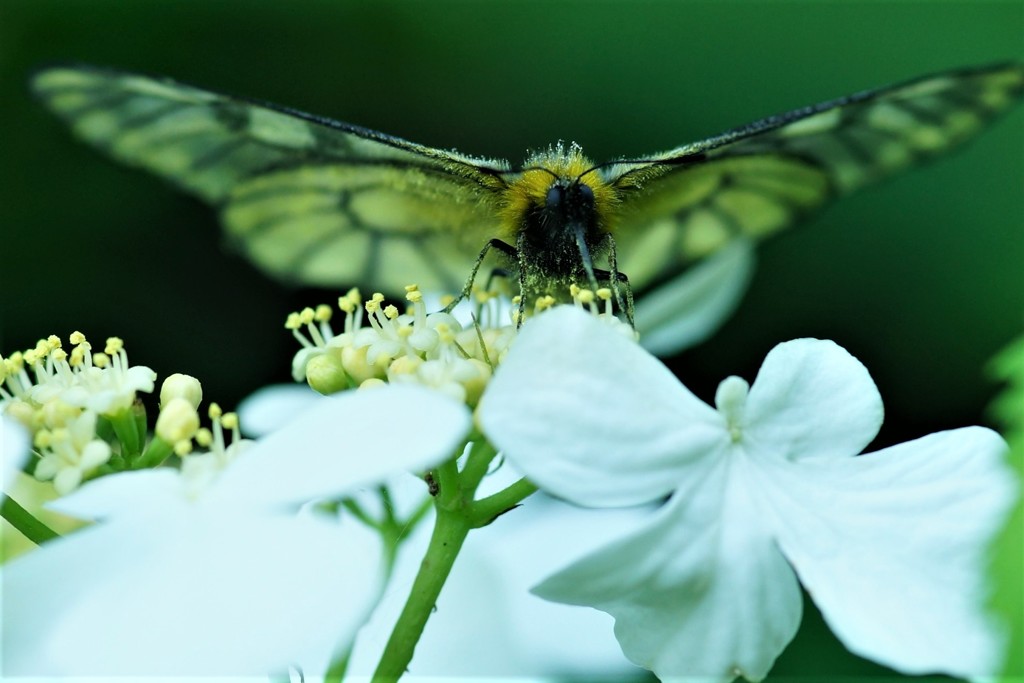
x,y
83,413
377,344
211,570
735,505
68,400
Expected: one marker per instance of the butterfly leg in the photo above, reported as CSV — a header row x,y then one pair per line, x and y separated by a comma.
x,y
520,262
615,278
467,288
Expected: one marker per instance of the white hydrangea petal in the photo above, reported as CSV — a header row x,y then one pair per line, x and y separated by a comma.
x,y
591,417
811,398
139,378
346,441
700,592
126,493
688,309
301,359
14,449
892,546
525,547
208,595
274,406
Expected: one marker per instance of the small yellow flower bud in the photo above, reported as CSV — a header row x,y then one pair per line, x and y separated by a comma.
x,y
326,374
346,304
57,413
42,439
114,346
404,365
475,383
181,386
204,437
358,368
178,421
20,411
322,313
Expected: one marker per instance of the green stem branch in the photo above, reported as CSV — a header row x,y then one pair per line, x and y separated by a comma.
x,y
22,520
450,530
485,510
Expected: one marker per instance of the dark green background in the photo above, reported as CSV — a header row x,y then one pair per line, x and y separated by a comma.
x,y
921,277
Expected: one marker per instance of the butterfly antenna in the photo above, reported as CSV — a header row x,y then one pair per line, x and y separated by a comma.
x,y
590,170
541,168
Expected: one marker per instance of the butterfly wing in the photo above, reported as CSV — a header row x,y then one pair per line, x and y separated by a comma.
x,y
307,199
757,179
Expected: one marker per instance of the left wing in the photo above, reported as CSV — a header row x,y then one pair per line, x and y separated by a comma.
x,y
308,199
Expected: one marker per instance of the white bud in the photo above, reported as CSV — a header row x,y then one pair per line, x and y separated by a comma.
x,y
181,386
178,420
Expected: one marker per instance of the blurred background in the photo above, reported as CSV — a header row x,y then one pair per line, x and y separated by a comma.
x,y
921,277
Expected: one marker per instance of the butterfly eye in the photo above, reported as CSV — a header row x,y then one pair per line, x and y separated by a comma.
x,y
554,197
586,192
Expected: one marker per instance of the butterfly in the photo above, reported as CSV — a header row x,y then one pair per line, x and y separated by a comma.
x,y
320,202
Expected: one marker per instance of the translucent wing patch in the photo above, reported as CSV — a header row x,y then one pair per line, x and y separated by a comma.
x,y
330,223
759,178
306,198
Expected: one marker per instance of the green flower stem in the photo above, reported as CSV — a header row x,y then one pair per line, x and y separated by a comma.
x,y
156,452
22,520
450,491
477,464
127,431
141,423
486,510
359,513
450,530
457,514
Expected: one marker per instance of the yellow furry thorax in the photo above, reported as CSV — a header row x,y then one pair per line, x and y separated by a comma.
x,y
529,190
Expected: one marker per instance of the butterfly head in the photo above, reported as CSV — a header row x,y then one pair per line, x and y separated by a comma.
x,y
558,210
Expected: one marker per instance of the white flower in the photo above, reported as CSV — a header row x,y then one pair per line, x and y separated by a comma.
x,y
232,581
110,389
485,600
763,490
70,452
